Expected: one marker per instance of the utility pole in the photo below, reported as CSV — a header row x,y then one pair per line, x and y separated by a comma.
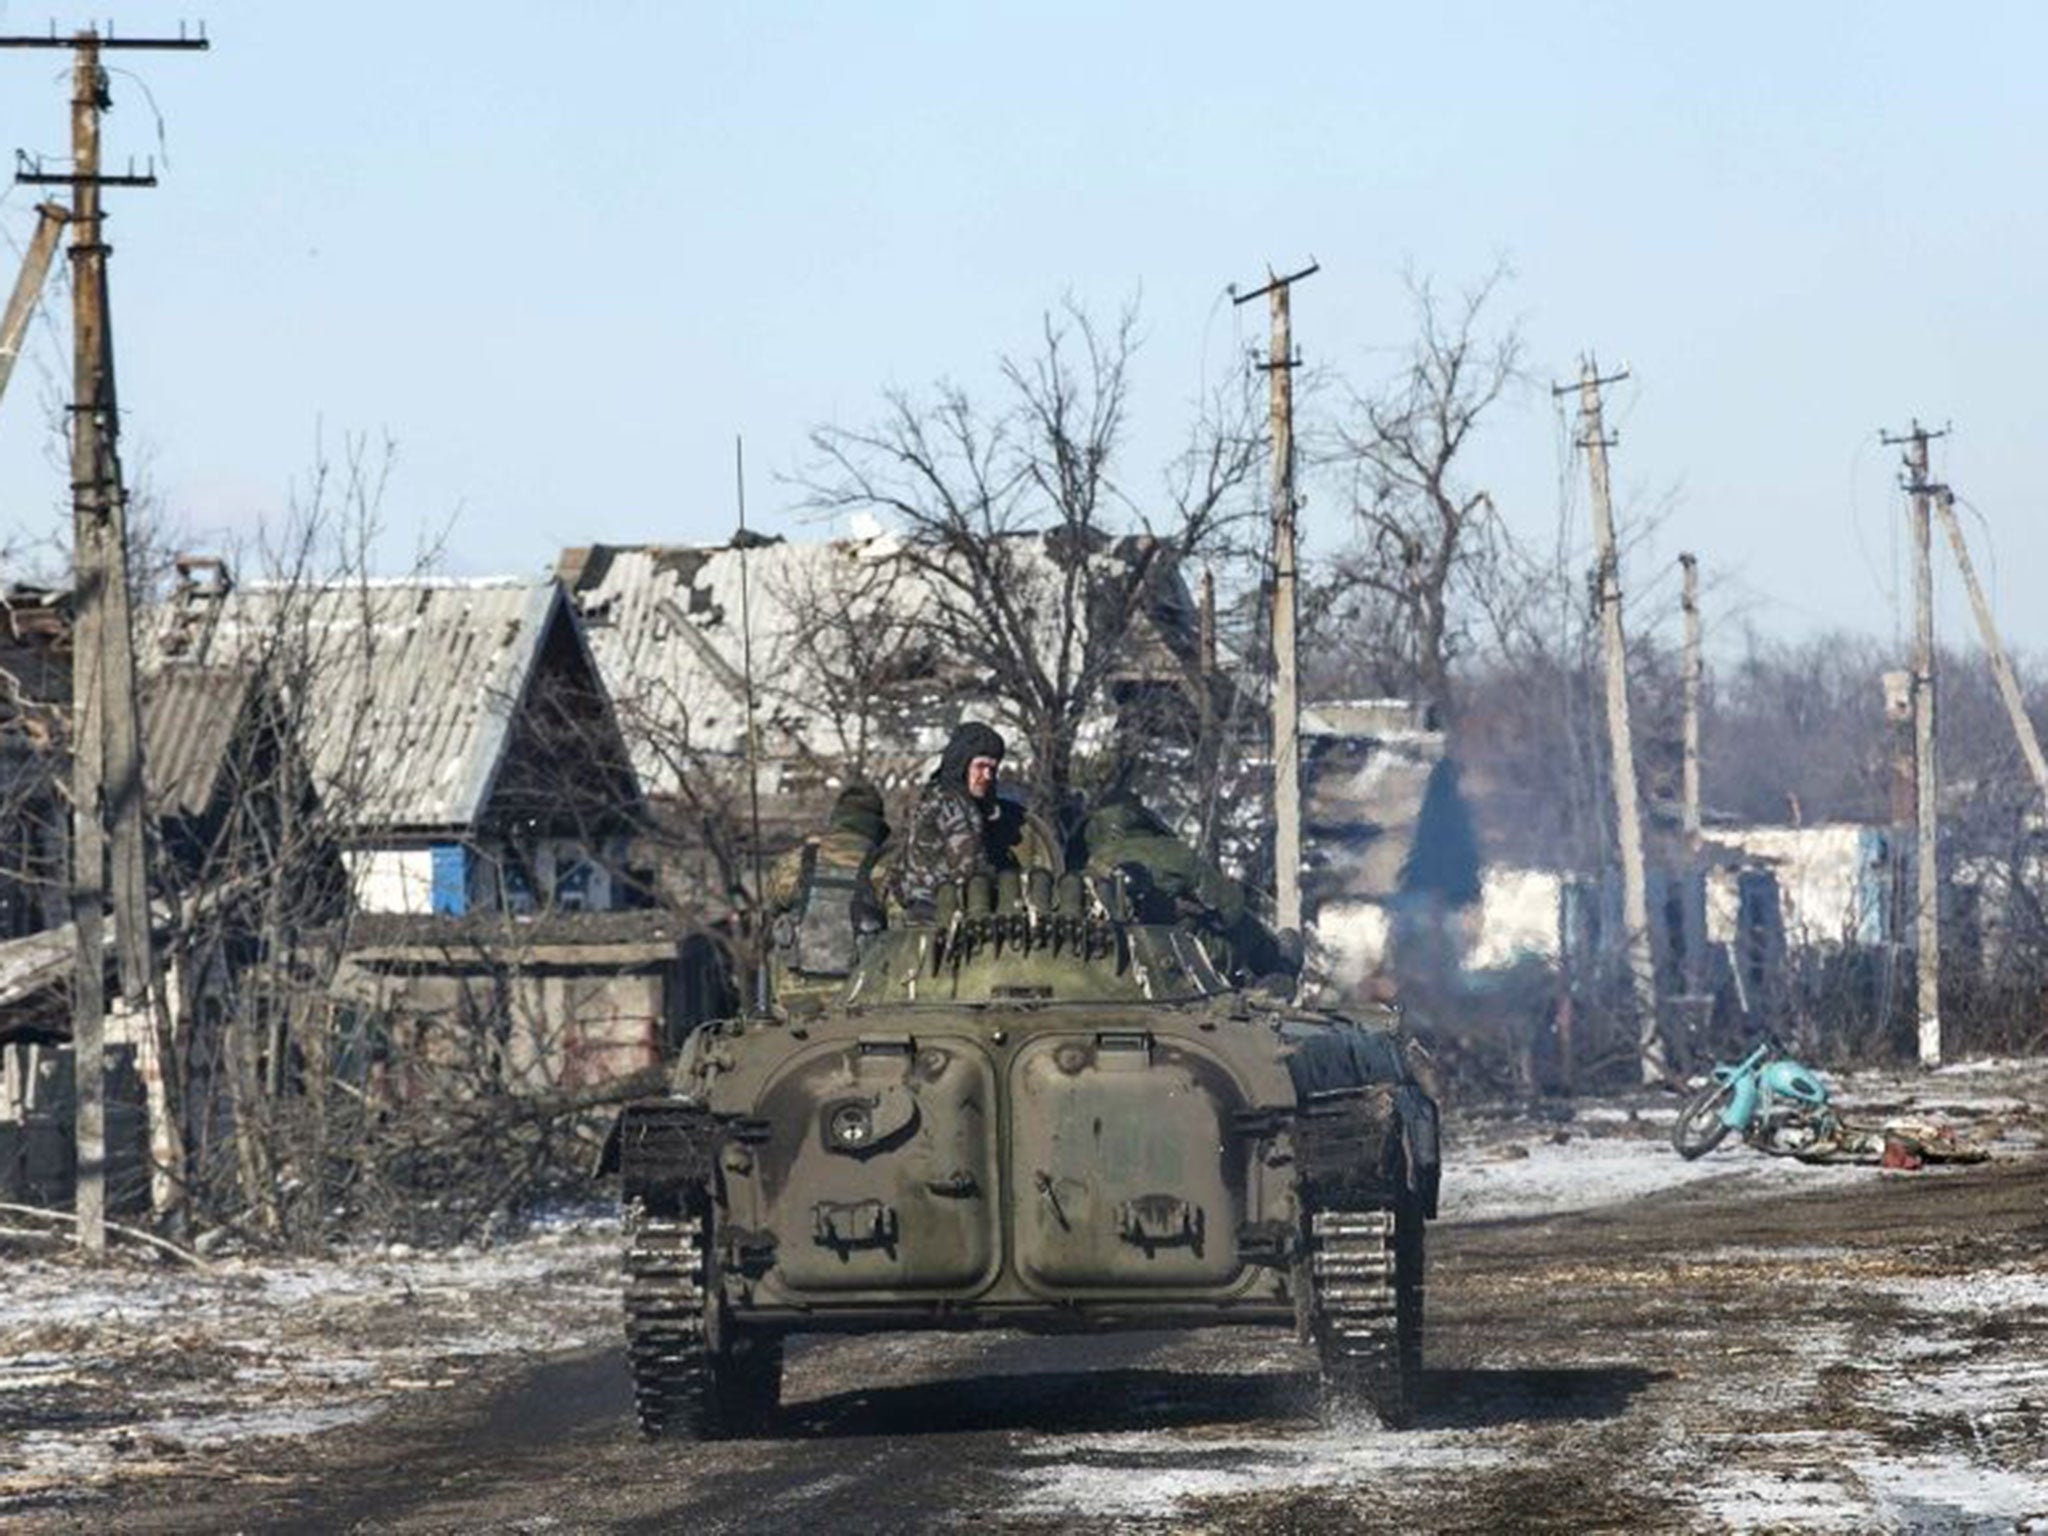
x,y
106,781
2001,668
35,271
1208,752
1695,956
1206,636
1689,765
1901,794
1628,817
1927,905
1280,365
758,907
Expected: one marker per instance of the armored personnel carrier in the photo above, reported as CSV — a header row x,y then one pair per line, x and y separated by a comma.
x,y
1035,1111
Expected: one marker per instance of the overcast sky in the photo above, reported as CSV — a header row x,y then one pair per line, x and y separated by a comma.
x,y
561,255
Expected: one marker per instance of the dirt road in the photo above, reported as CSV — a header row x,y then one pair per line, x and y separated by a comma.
x,y
1865,1353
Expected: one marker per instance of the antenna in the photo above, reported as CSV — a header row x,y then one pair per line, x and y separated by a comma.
x,y
739,475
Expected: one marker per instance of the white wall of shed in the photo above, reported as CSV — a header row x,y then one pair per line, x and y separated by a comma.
x,y
1819,871
1518,918
391,879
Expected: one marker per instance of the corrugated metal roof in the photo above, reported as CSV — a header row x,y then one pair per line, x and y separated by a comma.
x,y
410,685
188,719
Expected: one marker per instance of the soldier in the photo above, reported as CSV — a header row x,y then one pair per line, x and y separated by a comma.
x,y
823,898
1177,883
957,818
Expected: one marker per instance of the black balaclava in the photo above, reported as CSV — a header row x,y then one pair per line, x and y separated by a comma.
x,y
971,740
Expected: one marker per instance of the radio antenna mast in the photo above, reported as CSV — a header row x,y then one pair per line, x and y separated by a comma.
x,y
739,472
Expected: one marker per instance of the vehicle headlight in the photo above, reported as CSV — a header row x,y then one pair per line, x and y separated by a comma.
x,y
850,1125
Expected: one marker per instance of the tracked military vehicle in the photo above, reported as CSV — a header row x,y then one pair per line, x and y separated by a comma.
x,y
1036,1111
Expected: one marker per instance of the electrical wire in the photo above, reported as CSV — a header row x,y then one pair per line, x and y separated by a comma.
x,y
1888,590
163,145
1990,547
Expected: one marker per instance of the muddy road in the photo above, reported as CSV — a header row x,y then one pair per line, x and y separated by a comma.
x,y
1859,1353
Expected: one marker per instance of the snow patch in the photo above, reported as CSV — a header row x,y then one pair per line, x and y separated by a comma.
x,y
1951,1494
1588,1172
1155,1476
199,1360
2003,1292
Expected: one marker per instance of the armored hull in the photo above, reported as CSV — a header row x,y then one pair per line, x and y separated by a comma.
x,y
1039,1116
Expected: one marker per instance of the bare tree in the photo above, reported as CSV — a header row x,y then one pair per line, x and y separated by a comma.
x,y
1038,565
1431,551
1794,731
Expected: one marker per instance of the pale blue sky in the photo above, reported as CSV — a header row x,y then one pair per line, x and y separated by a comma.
x,y
562,254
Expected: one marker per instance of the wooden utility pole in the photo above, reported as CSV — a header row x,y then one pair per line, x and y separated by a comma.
x,y
35,271
1927,903
1208,751
758,909
1689,764
1628,817
106,781
1279,365
2001,668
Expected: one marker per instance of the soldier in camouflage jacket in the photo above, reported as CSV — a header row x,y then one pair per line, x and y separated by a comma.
x,y
949,830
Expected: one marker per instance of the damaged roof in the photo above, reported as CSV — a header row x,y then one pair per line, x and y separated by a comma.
x,y
665,625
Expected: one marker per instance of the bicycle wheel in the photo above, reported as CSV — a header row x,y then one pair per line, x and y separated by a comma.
x,y
1700,1127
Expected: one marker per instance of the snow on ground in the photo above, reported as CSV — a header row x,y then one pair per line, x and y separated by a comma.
x,y
1951,1360
1504,1165
1500,1165
139,1362
1869,1490
1148,1475
1547,1177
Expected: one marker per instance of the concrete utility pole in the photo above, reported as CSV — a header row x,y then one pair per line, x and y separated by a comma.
x,y
106,783
1628,816
35,271
1901,797
1689,764
1279,365
2001,668
1927,905
1695,948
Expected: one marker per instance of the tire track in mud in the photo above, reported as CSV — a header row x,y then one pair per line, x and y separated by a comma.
x,y
1691,1361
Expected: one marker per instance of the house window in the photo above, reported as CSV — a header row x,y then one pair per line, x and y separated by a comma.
x,y
575,885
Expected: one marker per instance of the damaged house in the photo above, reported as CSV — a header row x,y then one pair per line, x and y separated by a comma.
x,y
465,771
852,677
394,820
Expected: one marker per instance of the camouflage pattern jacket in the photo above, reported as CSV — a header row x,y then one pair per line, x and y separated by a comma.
x,y
947,842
